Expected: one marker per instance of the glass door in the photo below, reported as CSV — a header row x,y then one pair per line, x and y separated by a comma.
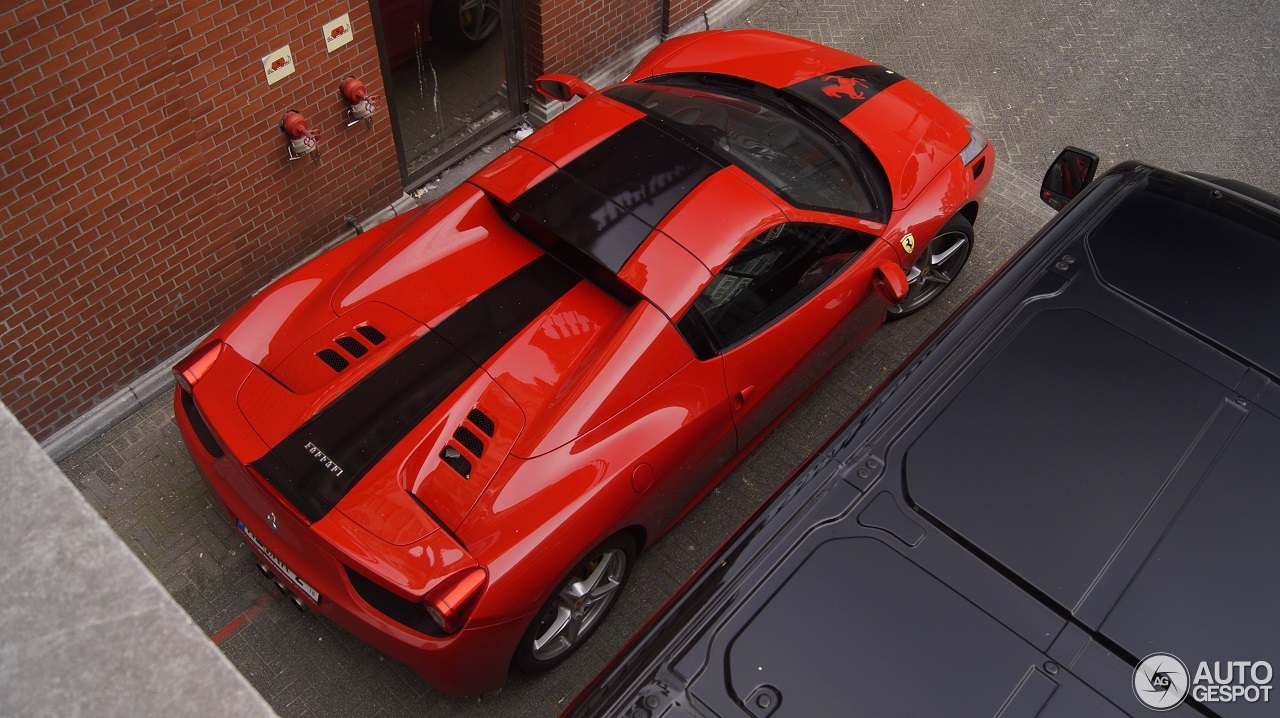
x,y
448,67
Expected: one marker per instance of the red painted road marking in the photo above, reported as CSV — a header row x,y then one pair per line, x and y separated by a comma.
x,y
234,624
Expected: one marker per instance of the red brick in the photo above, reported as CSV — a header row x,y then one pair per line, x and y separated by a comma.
x,y
168,13
15,51
23,29
112,20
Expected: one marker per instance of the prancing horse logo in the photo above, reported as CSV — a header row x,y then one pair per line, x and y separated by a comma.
x,y
847,86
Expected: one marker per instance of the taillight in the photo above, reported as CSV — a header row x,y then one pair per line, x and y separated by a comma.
x,y
189,370
451,602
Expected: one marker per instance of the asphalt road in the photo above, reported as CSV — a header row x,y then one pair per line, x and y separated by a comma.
x,y
1183,84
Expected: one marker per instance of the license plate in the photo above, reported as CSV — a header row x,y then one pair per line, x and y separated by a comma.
x,y
288,573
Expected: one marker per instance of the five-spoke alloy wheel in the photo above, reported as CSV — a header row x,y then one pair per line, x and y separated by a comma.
x,y
937,265
577,607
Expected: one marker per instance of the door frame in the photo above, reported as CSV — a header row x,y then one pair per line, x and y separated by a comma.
x,y
512,29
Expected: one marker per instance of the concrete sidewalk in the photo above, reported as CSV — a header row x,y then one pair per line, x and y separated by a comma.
x,y
84,628
1178,84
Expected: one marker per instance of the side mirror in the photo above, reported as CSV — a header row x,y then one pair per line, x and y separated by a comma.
x,y
1069,174
562,87
891,282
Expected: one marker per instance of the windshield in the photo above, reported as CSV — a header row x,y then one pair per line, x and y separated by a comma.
x,y
784,152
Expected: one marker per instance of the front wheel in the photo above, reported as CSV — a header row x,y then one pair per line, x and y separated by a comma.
x,y
937,266
577,607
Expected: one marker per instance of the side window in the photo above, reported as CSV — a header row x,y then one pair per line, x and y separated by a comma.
x,y
773,274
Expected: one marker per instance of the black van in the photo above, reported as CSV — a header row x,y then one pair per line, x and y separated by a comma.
x,y
1066,503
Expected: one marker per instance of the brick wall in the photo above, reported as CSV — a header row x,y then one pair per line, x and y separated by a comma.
x,y
144,189
682,11
577,35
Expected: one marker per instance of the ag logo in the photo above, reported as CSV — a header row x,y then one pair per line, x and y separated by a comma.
x,y
1160,681
909,243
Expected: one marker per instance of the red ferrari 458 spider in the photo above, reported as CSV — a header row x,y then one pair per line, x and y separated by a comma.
x,y
453,434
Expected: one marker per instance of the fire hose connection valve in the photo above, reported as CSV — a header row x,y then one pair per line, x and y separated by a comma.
x,y
302,140
361,105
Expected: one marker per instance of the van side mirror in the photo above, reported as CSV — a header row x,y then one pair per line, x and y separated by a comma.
x,y
1069,174
562,87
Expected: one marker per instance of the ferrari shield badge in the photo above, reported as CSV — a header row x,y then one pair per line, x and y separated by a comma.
x,y
908,243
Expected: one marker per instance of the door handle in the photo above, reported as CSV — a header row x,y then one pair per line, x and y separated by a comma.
x,y
740,399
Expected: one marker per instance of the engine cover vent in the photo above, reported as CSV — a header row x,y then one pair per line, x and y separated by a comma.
x,y
374,336
469,441
333,359
456,461
482,421
352,346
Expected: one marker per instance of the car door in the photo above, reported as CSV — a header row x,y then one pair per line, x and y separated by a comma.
x,y
786,308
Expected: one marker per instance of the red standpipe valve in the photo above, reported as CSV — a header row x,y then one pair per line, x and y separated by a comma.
x,y
302,139
362,105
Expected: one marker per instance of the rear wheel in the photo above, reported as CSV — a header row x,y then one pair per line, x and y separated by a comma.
x,y
937,266
577,607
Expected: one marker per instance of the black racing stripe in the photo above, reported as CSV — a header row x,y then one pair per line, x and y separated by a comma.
x,y
643,169
316,465
607,201
843,91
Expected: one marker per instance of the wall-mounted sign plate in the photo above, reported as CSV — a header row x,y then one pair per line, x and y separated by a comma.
x,y
337,33
278,65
